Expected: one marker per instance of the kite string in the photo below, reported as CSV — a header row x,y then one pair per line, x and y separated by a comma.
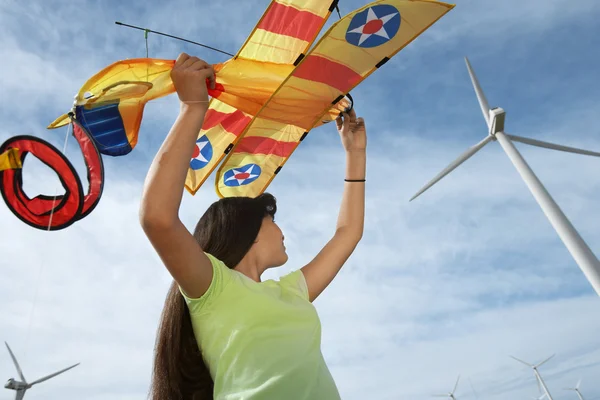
x,y
147,66
42,264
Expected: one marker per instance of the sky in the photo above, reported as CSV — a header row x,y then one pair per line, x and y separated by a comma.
x,y
454,282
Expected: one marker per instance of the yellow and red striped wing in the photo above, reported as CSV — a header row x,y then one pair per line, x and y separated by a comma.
x,y
222,126
348,53
286,30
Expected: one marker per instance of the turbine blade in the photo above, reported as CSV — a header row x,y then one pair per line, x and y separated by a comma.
x,y
53,375
483,103
546,360
548,145
455,385
461,159
16,363
521,361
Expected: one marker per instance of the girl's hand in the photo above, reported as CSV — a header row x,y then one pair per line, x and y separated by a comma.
x,y
352,132
190,76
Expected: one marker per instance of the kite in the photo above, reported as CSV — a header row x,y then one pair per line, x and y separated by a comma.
x,y
269,96
266,100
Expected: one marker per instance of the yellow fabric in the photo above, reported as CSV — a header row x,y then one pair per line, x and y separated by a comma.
x,y
132,83
268,163
260,340
10,159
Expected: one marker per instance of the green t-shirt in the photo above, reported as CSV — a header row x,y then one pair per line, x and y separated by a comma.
x,y
261,340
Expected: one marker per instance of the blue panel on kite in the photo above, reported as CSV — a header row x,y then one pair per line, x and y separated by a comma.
x,y
105,124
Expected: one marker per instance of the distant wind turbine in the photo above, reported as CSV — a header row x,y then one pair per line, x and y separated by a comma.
x,y
495,118
20,387
576,389
451,394
538,377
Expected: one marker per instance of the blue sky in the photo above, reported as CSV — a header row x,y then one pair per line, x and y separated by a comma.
x,y
451,283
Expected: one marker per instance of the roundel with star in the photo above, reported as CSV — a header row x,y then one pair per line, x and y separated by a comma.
x,y
242,175
203,153
374,26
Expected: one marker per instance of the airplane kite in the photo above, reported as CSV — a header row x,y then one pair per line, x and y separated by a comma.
x,y
267,98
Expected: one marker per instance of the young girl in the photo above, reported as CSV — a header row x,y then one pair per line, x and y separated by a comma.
x,y
224,333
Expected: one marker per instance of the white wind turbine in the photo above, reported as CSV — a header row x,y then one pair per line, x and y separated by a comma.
x,y
20,387
538,377
451,394
576,389
495,118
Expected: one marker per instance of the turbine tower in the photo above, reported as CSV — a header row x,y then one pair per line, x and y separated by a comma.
x,y
451,394
576,389
538,377
495,118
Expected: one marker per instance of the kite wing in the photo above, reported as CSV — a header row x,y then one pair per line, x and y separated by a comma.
x,y
245,83
286,30
348,53
110,105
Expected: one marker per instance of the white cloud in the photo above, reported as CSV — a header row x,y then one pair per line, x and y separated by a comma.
x,y
451,283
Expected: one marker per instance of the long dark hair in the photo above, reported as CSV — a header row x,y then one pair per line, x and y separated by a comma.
x,y
227,230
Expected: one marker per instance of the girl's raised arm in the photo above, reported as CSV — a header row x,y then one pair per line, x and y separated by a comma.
x,y
164,184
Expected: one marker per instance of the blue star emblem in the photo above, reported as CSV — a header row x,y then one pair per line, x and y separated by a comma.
x,y
374,26
241,176
202,154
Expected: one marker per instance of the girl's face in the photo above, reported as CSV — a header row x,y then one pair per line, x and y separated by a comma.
x,y
270,243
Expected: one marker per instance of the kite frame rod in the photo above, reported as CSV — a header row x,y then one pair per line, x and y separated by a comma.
x,y
174,37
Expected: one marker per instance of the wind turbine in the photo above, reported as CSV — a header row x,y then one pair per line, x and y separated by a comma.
x,y
495,118
538,376
576,389
21,386
451,394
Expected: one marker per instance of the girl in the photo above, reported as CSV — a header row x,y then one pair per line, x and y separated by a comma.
x,y
224,333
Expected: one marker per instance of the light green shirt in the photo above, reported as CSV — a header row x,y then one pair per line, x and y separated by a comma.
x,y
261,340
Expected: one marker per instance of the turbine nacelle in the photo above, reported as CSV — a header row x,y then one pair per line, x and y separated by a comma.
x,y
497,117
451,394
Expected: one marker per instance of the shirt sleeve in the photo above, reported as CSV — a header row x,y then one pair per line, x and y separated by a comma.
x,y
295,283
221,277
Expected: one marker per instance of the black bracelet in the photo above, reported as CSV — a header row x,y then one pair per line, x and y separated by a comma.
x,y
355,180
